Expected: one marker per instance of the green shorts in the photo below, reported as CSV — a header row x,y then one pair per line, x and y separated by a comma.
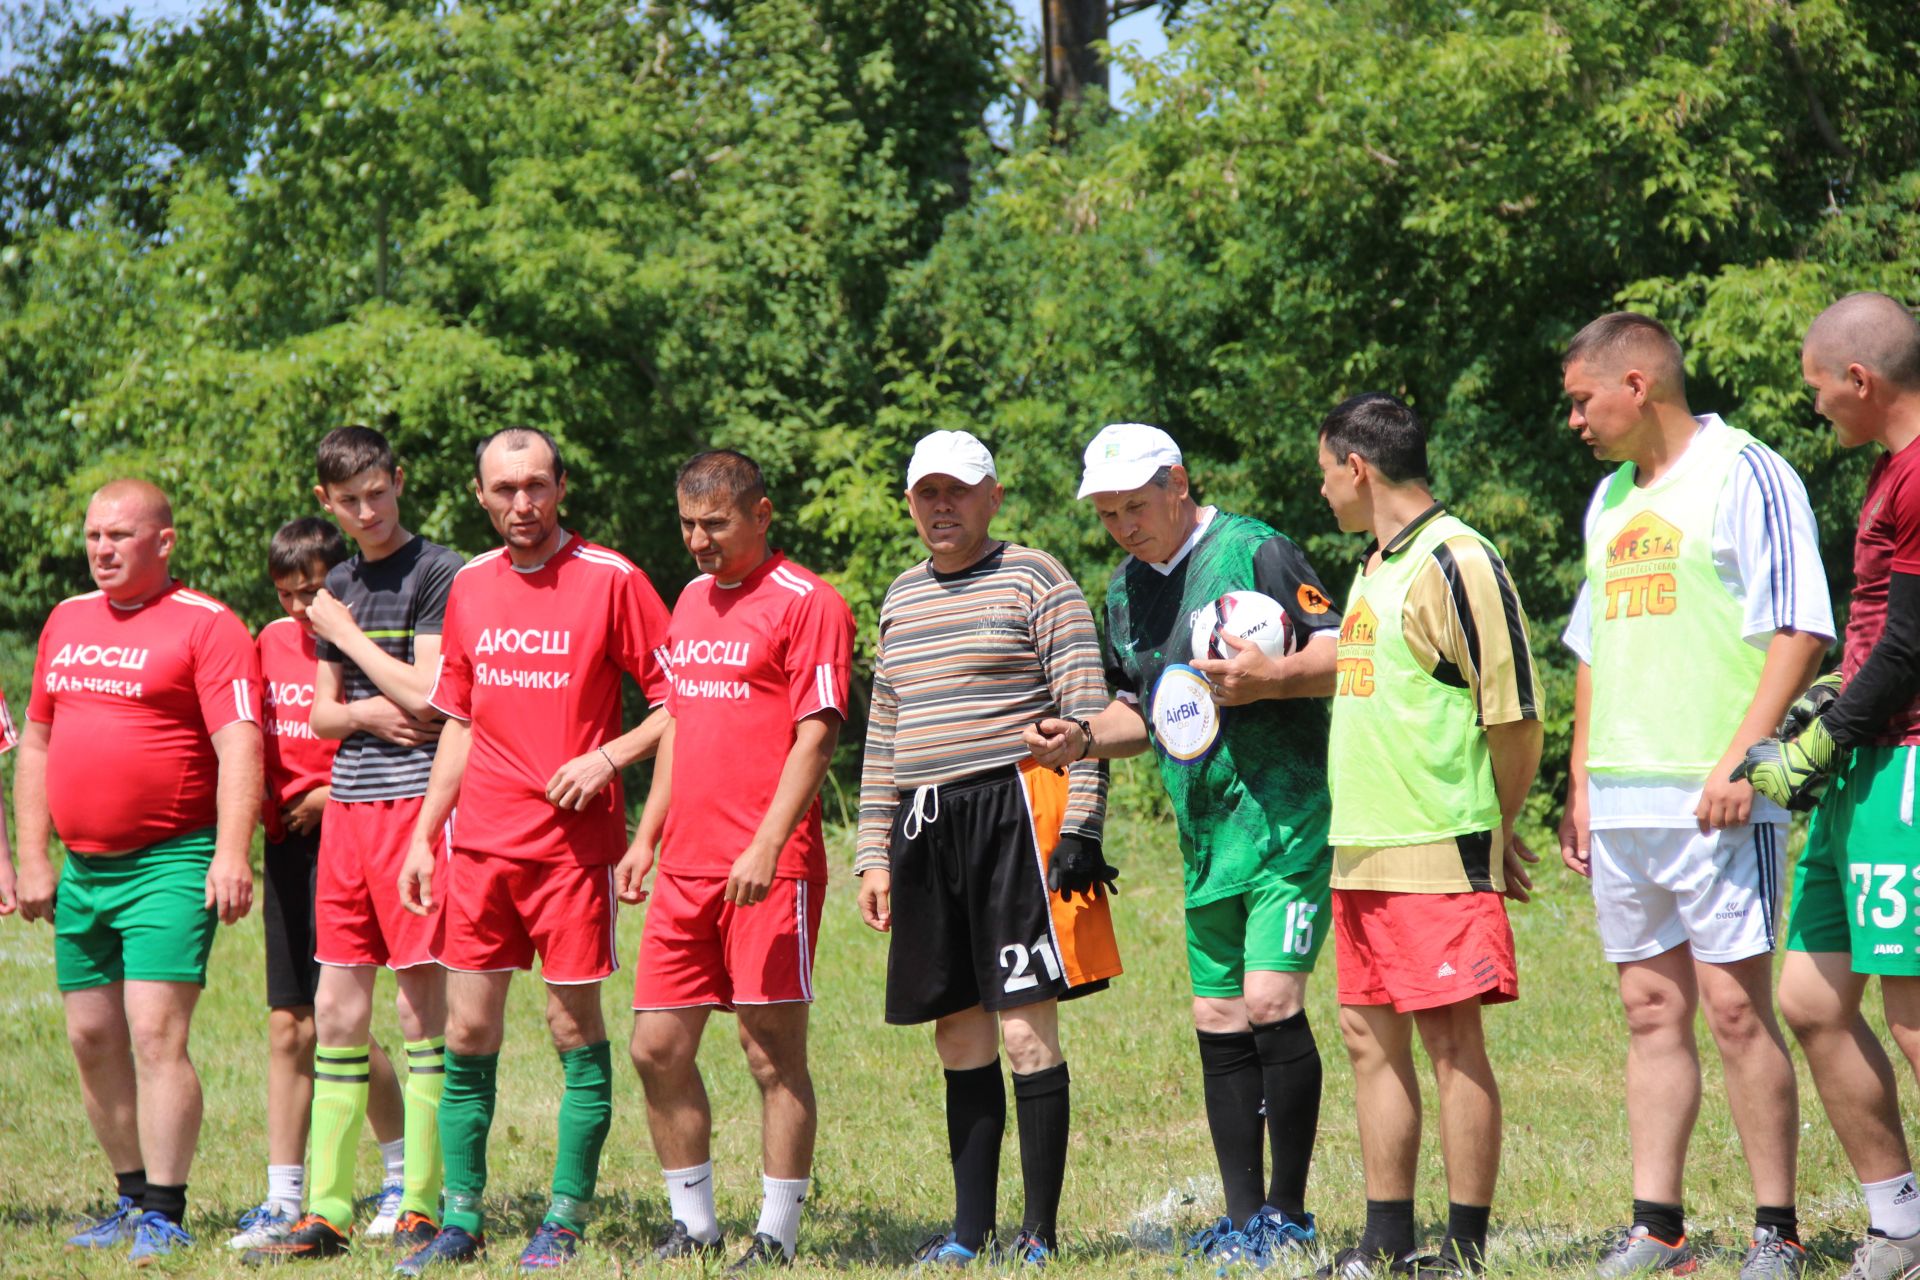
x,y
1277,925
1857,886
142,915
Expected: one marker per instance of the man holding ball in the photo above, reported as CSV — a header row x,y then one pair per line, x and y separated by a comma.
x,y
1220,642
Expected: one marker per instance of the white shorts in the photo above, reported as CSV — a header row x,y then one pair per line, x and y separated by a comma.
x,y
1657,887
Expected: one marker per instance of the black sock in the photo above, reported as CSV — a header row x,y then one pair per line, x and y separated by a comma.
x,y
1290,1078
1666,1223
132,1185
1389,1229
1230,1070
1042,1106
976,1122
1467,1235
168,1202
1784,1220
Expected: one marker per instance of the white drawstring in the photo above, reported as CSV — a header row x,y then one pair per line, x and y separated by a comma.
x,y
922,812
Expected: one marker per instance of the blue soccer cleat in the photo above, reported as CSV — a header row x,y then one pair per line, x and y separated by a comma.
x,y
452,1245
943,1251
156,1235
552,1246
109,1232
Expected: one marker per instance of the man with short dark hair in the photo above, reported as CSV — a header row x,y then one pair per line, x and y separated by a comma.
x,y
1435,741
154,690
759,649
538,633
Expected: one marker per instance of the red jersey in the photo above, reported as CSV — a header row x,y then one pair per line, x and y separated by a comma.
x,y
532,660
1887,542
749,662
132,698
297,761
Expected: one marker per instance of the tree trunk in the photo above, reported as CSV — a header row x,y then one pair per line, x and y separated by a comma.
x,y
1073,66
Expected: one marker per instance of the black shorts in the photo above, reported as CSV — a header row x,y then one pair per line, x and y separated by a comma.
x,y
973,923
291,866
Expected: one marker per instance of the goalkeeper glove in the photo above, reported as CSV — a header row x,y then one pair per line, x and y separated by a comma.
x,y
1791,772
1809,706
1079,866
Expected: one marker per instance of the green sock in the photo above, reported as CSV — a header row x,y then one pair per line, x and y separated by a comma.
x,y
466,1113
586,1113
339,1111
426,1072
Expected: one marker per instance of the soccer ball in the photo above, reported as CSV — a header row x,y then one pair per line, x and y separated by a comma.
x,y
1246,614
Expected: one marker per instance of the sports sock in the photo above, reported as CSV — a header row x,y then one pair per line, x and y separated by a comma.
x,y
1666,1223
690,1200
586,1113
1783,1219
1290,1081
1389,1229
168,1201
1231,1078
1466,1240
285,1187
466,1114
780,1209
131,1185
339,1109
1043,1108
393,1158
976,1123
1893,1207
417,1160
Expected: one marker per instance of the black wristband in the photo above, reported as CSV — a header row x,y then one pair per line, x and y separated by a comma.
x,y
1087,730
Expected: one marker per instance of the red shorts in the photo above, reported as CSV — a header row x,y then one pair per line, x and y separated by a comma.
x,y
1423,950
357,916
501,912
697,949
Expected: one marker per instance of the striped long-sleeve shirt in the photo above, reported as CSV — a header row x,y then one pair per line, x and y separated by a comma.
x,y
966,661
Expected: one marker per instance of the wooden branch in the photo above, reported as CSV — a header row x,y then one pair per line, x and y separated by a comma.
x,y
1822,125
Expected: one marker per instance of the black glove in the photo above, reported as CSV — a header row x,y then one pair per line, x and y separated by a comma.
x,y
1078,866
1812,704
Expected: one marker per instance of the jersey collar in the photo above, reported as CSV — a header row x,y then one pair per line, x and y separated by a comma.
x,y
775,558
1399,541
1204,519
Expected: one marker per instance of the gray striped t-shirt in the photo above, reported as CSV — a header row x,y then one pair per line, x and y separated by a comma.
x,y
394,600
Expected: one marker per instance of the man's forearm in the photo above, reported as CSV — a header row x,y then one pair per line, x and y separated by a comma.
x,y
1793,660
241,782
32,821
1514,750
1582,714
1309,672
639,742
1118,732
443,784
407,683
800,778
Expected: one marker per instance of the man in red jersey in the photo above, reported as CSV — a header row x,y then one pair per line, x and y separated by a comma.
x,y
155,688
759,651
536,638
9,901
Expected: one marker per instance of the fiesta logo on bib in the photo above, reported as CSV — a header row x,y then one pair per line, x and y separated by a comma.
x,y
1186,722
1640,564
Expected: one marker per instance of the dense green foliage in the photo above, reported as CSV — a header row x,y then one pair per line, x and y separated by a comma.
x,y
782,225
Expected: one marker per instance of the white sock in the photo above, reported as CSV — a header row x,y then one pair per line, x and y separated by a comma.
x,y
780,1210
690,1200
1893,1206
285,1185
394,1156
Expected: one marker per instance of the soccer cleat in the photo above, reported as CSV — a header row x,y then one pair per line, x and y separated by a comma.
x,y
1886,1258
1639,1251
105,1233
676,1243
1449,1262
450,1245
386,1209
265,1223
1360,1264
1029,1250
414,1230
1203,1242
1271,1233
552,1246
1772,1258
765,1251
155,1236
312,1238
943,1251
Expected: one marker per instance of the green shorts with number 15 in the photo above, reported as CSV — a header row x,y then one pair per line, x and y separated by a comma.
x,y
1277,925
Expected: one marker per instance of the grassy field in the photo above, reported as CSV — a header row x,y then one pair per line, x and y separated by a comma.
x,y
1141,1167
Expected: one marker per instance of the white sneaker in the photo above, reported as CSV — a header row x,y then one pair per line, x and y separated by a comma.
x,y
386,1213
264,1224
1883,1258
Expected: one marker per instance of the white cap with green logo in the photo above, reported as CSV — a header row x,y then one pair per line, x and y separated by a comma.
x,y
1125,455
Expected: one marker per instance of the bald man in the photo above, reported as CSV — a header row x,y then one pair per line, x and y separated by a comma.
x,y
1703,615
1856,892
142,751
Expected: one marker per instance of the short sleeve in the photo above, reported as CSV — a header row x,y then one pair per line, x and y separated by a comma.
x,y
9,735
434,586
39,701
1282,571
818,658
1767,549
642,624
226,673
452,693
1468,622
1579,633
339,579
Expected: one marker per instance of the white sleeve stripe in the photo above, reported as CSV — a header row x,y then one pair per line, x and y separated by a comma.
x,y
1779,542
823,685
242,702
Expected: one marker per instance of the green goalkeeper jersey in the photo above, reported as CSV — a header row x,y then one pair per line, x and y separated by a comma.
x,y
1248,783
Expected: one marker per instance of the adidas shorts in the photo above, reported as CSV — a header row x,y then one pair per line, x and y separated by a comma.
x,y
1857,886
1419,951
973,923
1657,887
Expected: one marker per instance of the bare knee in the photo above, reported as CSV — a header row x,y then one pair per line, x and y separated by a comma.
x,y
774,1063
1735,1020
661,1054
1454,1039
1357,1033
290,1034
158,1042
1655,1012
96,1039
1033,1044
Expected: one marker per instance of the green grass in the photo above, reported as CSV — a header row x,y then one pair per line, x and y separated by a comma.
x,y
1141,1166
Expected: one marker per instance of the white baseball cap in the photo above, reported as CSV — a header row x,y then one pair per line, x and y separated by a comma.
x,y
1125,455
950,453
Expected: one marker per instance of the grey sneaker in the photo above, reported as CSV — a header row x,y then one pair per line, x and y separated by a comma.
x,y
1771,1258
1886,1258
1638,1252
